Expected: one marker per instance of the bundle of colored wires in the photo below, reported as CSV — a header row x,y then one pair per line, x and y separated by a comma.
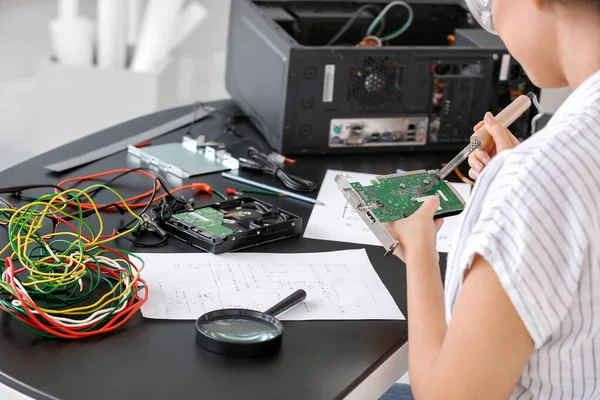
x,y
60,279
134,202
351,22
380,18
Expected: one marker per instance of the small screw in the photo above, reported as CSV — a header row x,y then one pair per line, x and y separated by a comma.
x,y
425,181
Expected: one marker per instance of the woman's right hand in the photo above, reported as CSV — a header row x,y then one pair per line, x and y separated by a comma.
x,y
502,140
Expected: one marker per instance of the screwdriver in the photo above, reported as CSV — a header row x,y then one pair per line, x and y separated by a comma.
x,y
482,138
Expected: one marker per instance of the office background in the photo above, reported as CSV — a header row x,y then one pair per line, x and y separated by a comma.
x,y
32,94
35,97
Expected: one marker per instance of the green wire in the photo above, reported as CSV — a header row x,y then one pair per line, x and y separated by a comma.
x,y
59,295
382,15
221,195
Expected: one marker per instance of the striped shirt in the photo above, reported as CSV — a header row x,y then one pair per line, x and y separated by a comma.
x,y
535,217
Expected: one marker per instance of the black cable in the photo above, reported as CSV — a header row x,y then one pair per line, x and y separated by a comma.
x,y
352,20
245,139
158,178
161,242
165,208
94,192
17,190
260,162
233,120
196,107
161,179
154,191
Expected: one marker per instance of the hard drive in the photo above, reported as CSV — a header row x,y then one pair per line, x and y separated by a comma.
x,y
233,225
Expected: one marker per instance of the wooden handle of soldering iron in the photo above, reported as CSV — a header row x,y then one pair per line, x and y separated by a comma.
x,y
505,117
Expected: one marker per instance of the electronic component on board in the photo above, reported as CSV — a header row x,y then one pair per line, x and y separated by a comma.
x,y
394,197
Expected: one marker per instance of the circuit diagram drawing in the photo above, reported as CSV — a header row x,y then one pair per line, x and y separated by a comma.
x,y
225,285
335,287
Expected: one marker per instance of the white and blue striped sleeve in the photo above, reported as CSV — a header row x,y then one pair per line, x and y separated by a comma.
x,y
531,228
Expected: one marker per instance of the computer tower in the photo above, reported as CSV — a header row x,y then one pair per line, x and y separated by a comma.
x,y
423,91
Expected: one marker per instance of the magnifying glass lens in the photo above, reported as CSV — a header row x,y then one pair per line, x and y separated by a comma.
x,y
239,330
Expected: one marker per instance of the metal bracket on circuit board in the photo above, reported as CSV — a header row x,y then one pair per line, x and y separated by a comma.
x,y
355,200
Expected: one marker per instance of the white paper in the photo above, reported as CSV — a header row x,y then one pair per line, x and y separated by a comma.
x,y
156,35
339,285
337,220
112,47
189,20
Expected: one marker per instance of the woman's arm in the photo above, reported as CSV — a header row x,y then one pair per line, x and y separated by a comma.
x,y
484,349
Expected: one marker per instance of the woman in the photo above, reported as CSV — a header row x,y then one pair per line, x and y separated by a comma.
x,y
520,318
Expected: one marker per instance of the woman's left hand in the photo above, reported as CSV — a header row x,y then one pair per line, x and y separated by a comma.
x,y
417,234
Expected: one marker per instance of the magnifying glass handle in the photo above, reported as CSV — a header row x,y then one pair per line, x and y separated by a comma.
x,y
287,303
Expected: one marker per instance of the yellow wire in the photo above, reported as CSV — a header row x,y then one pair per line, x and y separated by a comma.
x,y
97,306
34,214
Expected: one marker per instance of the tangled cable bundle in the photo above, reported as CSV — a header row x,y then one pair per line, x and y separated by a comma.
x,y
259,161
55,261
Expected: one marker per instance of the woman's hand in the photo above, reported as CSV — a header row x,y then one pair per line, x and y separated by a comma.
x,y
417,234
502,140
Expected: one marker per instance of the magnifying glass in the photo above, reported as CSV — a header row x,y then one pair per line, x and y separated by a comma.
x,y
244,333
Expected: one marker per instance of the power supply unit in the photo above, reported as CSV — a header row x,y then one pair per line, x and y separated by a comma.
x,y
422,91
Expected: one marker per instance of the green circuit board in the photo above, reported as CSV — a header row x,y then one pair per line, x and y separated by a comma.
x,y
398,196
207,219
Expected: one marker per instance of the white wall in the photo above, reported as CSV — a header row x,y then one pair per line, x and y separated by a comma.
x,y
50,109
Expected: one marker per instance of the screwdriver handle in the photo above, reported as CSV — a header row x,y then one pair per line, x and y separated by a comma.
x,y
505,117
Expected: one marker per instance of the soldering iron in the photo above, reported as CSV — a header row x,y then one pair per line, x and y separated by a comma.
x,y
481,138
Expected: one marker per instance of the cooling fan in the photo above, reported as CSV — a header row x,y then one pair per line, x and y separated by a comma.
x,y
375,82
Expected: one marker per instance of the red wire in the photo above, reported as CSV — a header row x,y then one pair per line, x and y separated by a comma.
x,y
73,333
42,321
132,201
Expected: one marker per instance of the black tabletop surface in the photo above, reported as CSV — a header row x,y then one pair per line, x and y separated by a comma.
x,y
149,359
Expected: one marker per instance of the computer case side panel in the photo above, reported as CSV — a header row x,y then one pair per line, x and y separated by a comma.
x,y
257,68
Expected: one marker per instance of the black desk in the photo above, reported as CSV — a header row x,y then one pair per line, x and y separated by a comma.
x,y
160,360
